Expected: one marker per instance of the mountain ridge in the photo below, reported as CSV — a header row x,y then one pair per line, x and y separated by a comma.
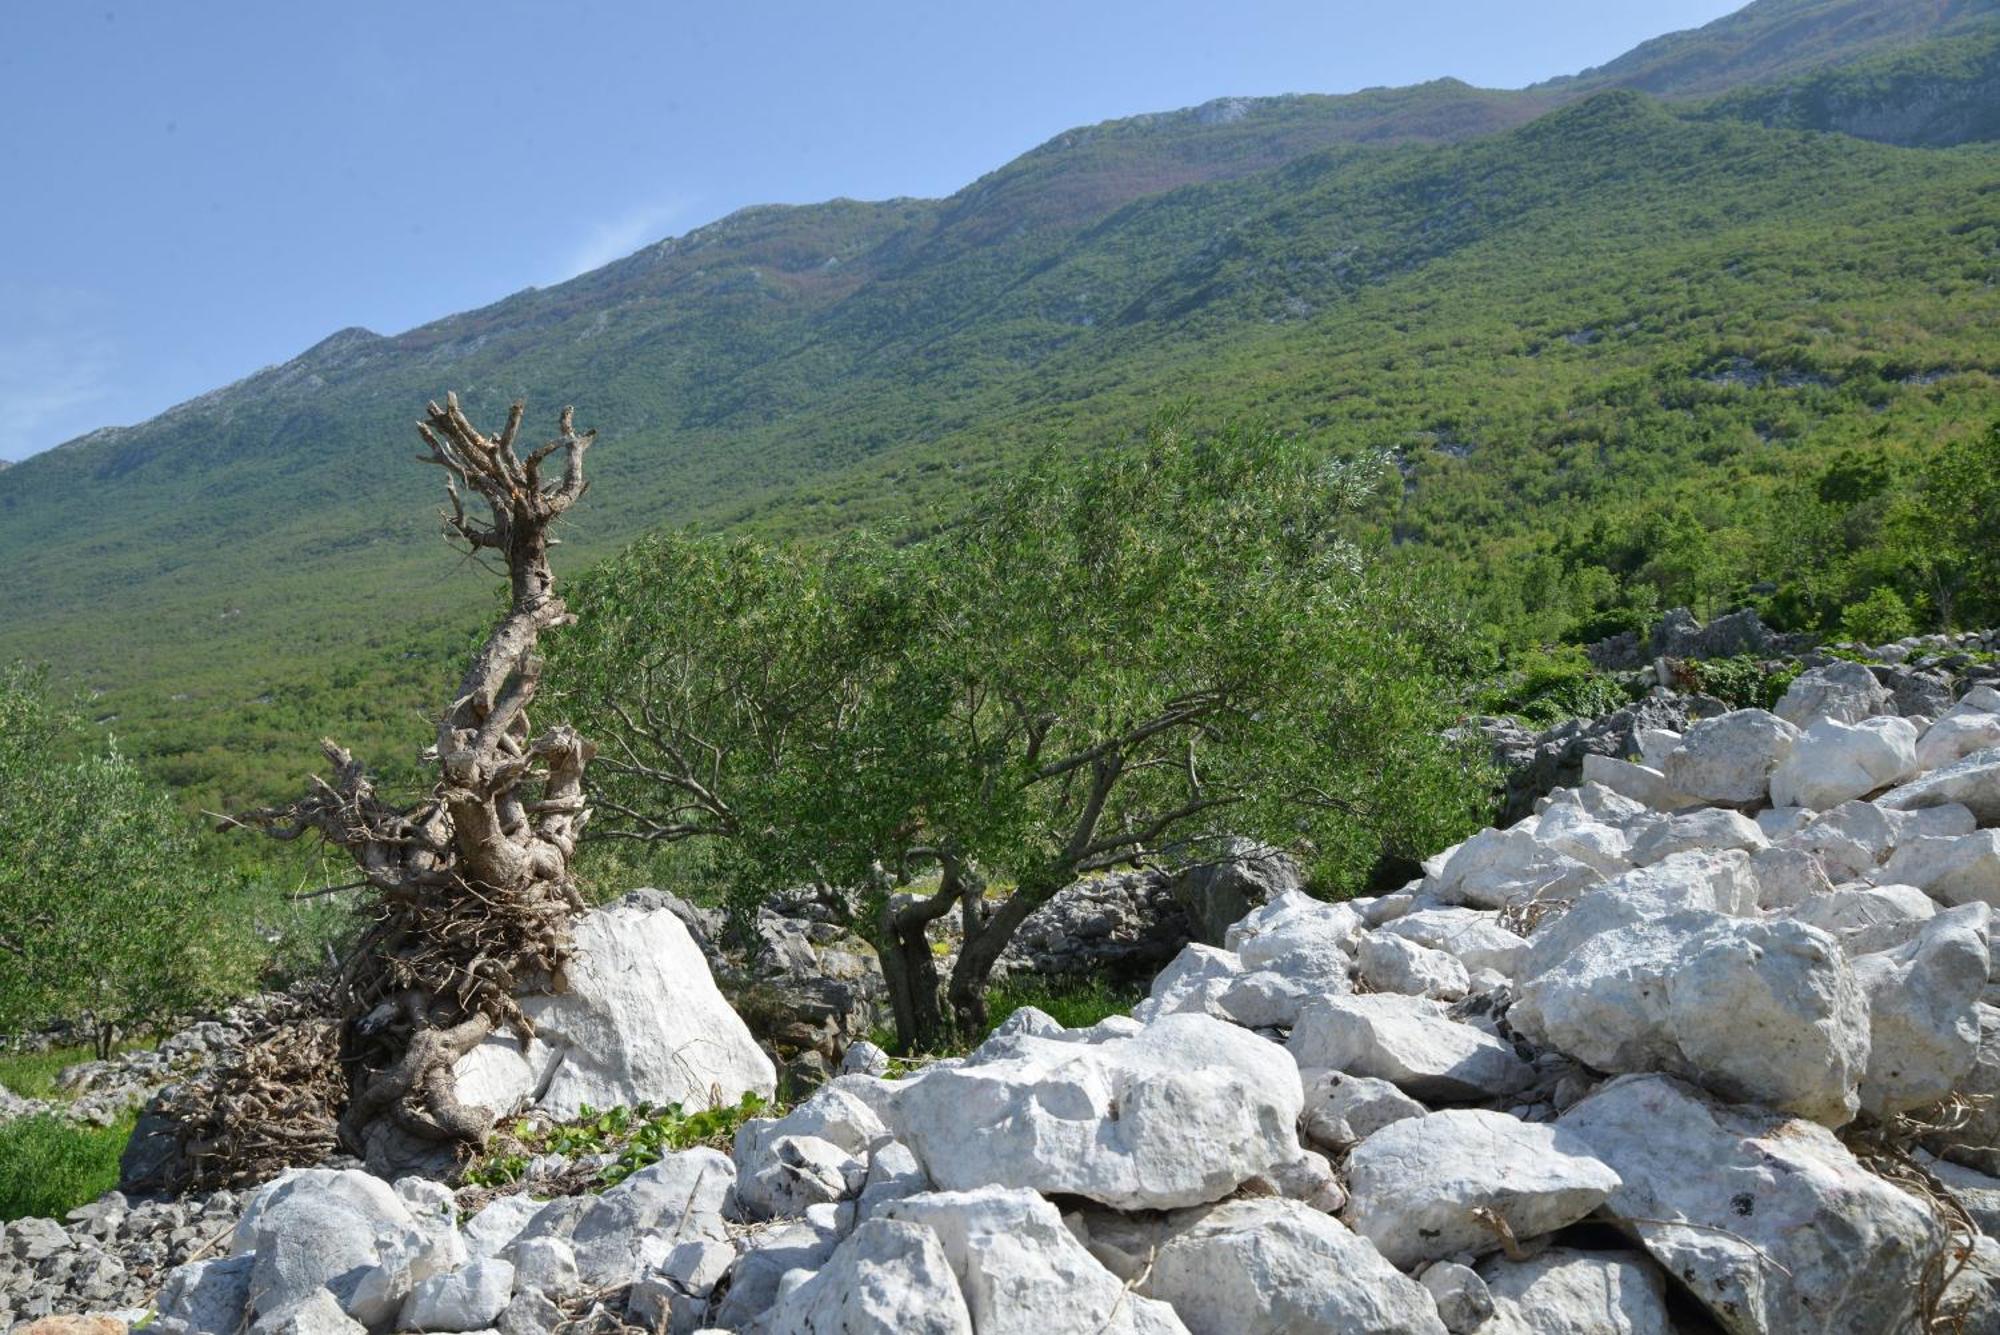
x,y
805,367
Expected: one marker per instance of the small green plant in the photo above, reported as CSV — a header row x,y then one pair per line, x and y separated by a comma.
x,y
49,1165
1743,682
638,1136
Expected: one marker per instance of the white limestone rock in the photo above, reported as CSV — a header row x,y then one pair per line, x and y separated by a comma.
x,y
1953,870
632,1227
467,1299
1972,782
548,1264
1867,918
1976,1144
1475,936
1705,829
1343,1110
1410,1042
1302,938
317,1314
1192,981
342,1230
1562,1291
1643,784
1844,692
1388,962
1747,1193
1276,1267
1956,736
1923,1022
1463,1303
1418,1188
1728,759
1787,876
1765,1011
1021,1272
641,1022
1574,830
210,1297
1179,1113
1496,868
1835,762
887,1278
496,1225
795,1173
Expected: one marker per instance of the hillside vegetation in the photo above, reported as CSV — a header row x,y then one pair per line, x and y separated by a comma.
x,y
1581,320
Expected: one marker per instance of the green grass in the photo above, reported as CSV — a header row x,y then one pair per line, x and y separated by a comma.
x,y
32,1075
638,1136
1074,1005
50,1165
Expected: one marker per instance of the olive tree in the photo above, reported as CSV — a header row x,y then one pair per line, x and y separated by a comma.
x,y
104,921
1114,664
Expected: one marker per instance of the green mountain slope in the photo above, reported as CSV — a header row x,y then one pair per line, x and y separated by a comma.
x,y
1775,40
1548,317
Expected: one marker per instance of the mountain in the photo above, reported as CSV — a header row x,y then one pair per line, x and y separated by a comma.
x,y
1543,301
1775,40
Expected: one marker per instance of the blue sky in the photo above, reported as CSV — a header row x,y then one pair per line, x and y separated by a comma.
x,y
197,190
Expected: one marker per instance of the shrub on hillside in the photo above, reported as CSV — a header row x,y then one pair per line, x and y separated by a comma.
x,y
103,921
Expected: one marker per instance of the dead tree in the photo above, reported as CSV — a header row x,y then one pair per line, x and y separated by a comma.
x,y
470,890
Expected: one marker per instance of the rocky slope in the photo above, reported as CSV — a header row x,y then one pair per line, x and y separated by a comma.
x,y
1708,1042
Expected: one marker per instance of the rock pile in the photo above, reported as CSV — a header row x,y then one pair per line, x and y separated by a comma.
x,y
1663,1056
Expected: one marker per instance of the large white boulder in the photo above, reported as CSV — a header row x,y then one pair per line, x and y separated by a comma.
x,y
1021,1272
1844,692
1976,1142
1496,868
1643,784
1562,1291
1342,1109
1179,1113
1302,938
209,1297
1922,1011
641,1022
1573,829
1865,918
1426,1187
1972,782
461,1300
1768,1221
633,1226
1728,759
1961,869
1277,1267
888,1277
1956,736
1410,1042
1388,962
1475,936
1764,1011
1835,762
343,1230
1706,828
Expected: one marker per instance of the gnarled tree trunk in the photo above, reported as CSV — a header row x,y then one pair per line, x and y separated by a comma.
x,y
471,888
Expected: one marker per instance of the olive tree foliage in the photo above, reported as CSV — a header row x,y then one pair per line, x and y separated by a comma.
x,y
103,921
1110,665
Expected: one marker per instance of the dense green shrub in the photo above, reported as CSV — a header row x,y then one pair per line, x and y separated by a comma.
x,y
103,918
1880,617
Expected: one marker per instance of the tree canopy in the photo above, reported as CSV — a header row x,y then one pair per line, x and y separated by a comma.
x,y
1114,664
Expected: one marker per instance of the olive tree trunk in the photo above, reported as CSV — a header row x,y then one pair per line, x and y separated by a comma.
x,y
470,889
